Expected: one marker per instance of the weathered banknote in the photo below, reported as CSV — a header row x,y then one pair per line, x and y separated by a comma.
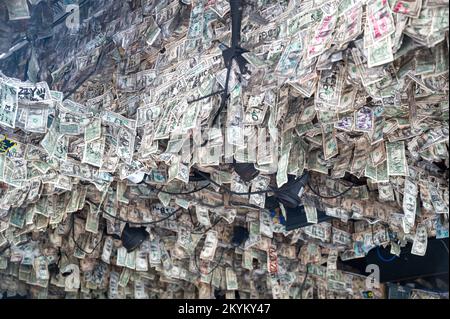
x,y
396,159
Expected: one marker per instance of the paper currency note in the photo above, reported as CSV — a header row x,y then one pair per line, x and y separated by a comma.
x,y
311,214
17,10
437,201
231,279
30,93
289,59
113,285
396,159
329,89
8,104
380,22
258,184
378,154
93,130
210,245
322,36
272,259
92,220
93,152
364,120
118,120
125,145
409,8
202,214
36,119
196,19
107,249
265,224
409,205
121,256
154,256
152,32
329,142
141,257
283,162
420,243
130,259
380,53
124,277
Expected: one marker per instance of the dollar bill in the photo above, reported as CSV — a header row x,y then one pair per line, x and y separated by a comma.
x,y
18,10
378,154
380,22
139,290
40,266
283,162
209,248
152,32
254,235
121,256
130,260
272,259
31,93
92,220
113,285
118,120
184,238
363,120
439,205
396,159
220,7
141,256
154,256
166,259
93,152
311,214
93,130
196,19
202,214
8,104
320,231
36,119
265,224
290,58
409,205
231,279
258,184
380,53
322,36
329,142
332,260
315,162
107,249
124,277
420,242
329,88
125,145
410,8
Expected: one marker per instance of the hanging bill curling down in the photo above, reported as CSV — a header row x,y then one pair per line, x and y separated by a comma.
x,y
184,149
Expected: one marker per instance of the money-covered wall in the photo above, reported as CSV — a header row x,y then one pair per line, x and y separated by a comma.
x,y
102,130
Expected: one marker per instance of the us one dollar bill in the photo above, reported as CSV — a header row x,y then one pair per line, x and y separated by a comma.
x,y
396,159
210,245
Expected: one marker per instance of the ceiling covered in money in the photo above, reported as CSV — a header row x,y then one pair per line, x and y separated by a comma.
x,y
215,148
